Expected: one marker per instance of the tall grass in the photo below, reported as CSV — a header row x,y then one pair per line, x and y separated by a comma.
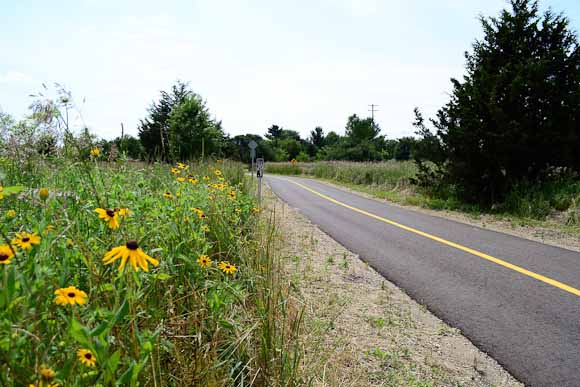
x,y
388,174
391,180
179,324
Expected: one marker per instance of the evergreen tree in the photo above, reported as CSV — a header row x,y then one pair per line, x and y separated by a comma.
x,y
515,115
317,137
154,129
193,134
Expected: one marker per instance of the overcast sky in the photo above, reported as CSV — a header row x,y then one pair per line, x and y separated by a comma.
x,y
298,63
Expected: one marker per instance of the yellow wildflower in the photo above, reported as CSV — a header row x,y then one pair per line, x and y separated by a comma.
x,y
25,240
110,216
70,296
6,254
10,214
43,193
204,261
86,357
227,267
131,252
95,152
175,171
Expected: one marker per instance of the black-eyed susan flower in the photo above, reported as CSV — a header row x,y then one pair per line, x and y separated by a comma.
x,y
95,152
193,180
204,261
217,172
205,228
206,178
181,179
25,240
123,211
6,255
110,216
256,210
168,195
11,214
43,193
237,211
130,252
70,296
232,195
87,357
227,267
182,166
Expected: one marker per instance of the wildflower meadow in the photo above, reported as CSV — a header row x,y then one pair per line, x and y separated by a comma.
x,y
122,273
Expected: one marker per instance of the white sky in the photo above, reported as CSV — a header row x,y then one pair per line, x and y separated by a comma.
x,y
298,64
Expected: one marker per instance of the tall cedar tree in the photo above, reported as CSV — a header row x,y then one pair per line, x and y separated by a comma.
x,y
154,131
515,116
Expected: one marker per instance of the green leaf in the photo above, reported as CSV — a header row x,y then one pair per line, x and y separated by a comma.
x,y
79,333
121,313
13,189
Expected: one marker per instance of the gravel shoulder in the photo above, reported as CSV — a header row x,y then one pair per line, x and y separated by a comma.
x,y
360,329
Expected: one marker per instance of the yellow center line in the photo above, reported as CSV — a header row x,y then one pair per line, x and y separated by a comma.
x,y
519,269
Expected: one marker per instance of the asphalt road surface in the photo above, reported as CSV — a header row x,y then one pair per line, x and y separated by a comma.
x,y
517,300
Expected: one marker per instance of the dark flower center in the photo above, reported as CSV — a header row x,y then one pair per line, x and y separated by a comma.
x,y
71,294
132,245
88,356
110,213
3,257
167,193
25,239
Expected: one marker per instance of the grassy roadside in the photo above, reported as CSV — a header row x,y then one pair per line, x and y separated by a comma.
x,y
199,301
554,206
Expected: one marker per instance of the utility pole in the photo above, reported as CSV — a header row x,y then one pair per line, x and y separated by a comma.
x,y
373,110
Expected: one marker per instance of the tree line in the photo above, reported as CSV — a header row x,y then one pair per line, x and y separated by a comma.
x,y
179,127
511,121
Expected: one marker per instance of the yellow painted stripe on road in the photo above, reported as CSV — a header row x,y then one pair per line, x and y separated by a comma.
x,y
479,254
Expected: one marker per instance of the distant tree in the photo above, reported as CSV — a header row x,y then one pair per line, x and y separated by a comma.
x,y
317,137
359,130
332,138
404,148
274,133
154,129
193,133
515,115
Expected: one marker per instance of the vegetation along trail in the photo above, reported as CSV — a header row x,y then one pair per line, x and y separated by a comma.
x,y
515,299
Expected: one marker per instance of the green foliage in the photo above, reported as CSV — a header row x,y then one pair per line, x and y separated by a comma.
x,y
193,134
177,325
154,130
513,118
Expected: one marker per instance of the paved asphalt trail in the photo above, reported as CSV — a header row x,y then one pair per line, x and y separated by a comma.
x,y
530,327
